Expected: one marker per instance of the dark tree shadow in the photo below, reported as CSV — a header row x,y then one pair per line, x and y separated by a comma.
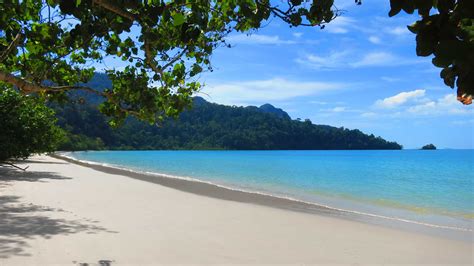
x,y
8,174
20,221
37,161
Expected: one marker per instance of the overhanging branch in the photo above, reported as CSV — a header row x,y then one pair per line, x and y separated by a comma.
x,y
113,8
29,87
11,46
21,84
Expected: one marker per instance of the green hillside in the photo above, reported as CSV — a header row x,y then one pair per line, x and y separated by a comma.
x,y
207,126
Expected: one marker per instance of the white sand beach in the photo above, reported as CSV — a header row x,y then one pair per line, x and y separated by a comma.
x,y
62,213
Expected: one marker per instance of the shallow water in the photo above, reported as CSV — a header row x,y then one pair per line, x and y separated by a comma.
x,y
432,187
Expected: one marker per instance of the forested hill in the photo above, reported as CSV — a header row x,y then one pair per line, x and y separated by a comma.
x,y
210,126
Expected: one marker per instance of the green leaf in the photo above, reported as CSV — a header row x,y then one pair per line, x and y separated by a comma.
x,y
395,7
424,45
452,49
414,28
178,19
296,2
441,62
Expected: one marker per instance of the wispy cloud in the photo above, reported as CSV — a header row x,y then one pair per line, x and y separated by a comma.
x,y
416,104
400,99
338,109
374,39
336,59
368,114
447,104
297,34
257,39
383,59
389,79
375,59
269,90
318,102
350,59
397,30
340,25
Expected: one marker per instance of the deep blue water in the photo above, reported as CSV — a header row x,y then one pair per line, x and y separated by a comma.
x,y
427,186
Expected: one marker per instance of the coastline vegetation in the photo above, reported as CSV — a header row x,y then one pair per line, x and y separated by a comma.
x,y
26,126
204,126
429,147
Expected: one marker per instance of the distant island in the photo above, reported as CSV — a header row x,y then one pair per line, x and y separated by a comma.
x,y
206,126
429,147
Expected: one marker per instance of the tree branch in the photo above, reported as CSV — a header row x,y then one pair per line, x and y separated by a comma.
x,y
149,58
113,8
20,83
11,46
29,87
175,58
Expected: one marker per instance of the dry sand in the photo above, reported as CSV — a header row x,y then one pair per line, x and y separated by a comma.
x,y
62,213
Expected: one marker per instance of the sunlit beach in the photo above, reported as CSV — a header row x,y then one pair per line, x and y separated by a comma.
x,y
236,132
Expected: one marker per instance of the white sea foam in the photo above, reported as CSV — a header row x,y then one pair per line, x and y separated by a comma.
x,y
192,179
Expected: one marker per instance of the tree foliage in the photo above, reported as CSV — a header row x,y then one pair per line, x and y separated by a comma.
x,y
26,126
49,47
429,147
165,44
445,30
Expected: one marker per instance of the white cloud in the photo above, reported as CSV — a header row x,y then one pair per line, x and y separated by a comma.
x,y
318,102
398,31
297,34
257,39
383,59
345,59
333,60
416,104
338,109
269,90
400,99
368,114
340,25
422,108
447,104
375,59
374,40
389,79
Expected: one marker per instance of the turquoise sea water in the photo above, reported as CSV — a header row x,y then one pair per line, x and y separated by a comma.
x,y
433,187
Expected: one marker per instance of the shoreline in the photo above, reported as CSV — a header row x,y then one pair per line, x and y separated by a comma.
x,y
64,213
212,190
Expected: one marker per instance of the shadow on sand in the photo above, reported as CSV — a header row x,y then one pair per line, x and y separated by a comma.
x,y
27,161
20,221
9,174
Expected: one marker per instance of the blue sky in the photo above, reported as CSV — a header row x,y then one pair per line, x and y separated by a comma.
x,y
361,71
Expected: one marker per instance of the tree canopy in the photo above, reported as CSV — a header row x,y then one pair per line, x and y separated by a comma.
x,y
445,30
429,147
49,47
26,126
